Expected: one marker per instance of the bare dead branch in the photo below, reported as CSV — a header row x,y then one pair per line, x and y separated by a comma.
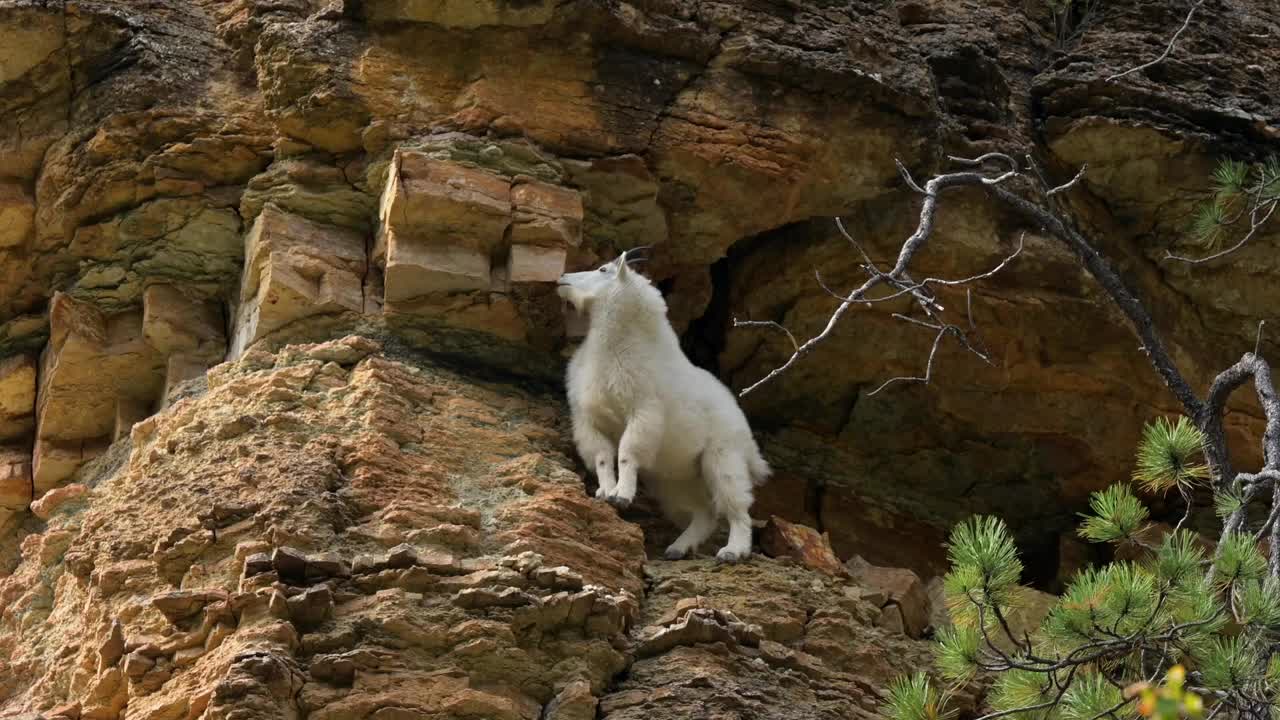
x,y
1209,419
1255,224
770,324
1168,48
928,302
910,289
897,275
928,368
1207,413
1106,276
921,323
906,176
1069,184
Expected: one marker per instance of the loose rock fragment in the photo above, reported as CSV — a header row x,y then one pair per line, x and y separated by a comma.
x,y
311,607
482,597
900,587
290,563
574,702
180,604
327,565
48,504
556,578
257,563
804,544
402,556
112,649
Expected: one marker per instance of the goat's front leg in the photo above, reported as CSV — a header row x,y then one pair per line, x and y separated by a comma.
x,y
597,451
638,448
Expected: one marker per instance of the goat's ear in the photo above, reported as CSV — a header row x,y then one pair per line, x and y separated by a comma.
x,y
623,270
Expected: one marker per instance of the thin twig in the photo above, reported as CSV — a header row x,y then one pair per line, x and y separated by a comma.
x,y
1069,184
1253,229
1186,500
768,323
911,289
928,368
1168,49
906,176
898,273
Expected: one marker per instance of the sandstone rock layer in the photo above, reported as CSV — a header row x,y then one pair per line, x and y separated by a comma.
x,y
197,198
357,536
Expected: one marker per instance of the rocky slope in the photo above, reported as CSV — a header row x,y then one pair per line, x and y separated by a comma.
x,y
343,531
188,186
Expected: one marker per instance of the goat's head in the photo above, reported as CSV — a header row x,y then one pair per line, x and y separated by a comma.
x,y
583,289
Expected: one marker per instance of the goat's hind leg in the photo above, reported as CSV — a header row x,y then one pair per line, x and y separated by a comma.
x,y
598,451
701,525
725,473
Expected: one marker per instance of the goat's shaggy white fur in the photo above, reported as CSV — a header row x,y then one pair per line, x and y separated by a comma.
x,y
637,400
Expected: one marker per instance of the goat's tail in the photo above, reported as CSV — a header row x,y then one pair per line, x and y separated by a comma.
x,y
757,468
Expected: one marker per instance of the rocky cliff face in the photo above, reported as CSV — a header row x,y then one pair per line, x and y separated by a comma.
x,y
195,522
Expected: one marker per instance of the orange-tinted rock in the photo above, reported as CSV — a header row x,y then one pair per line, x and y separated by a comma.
x,y
545,215
17,396
444,203
462,14
801,543
900,588
296,269
97,374
17,212
175,323
15,481
48,504
534,263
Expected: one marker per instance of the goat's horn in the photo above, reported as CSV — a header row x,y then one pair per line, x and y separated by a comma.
x,y
637,249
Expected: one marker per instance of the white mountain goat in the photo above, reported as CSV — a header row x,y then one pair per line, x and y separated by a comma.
x,y
637,400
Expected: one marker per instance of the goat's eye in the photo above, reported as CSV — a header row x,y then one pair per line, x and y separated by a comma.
x,y
604,268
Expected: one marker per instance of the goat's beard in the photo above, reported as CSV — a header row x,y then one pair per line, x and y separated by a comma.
x,y
572,299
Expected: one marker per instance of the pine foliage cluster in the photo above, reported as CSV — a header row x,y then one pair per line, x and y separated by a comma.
x,y
1207,620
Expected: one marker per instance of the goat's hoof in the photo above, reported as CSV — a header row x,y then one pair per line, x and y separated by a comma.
x,y
728,556
622,503
602,493
674,553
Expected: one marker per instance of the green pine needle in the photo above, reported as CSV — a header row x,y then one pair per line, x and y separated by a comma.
x,y
1130,601
1089,697
1258,603
1178,562
1230,177
983,544
1197,607
1273,671
1117,515
914,698
1021,689
962,587
1100,603
1227,663
1226,502
1070,621
957,652
1167,456
1269,179
1207,225
1239,560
